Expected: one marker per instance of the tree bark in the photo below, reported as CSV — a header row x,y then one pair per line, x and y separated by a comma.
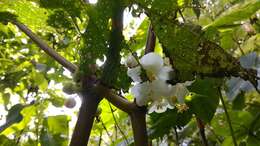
x,y
85,120
139,126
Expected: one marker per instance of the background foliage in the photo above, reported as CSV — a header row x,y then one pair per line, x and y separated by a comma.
x,y
30,81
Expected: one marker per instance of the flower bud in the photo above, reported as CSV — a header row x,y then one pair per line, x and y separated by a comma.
x,y
131,62
247,27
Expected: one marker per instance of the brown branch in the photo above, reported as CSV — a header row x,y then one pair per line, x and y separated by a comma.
x,y
151,39
81,133
139,126
44,46
118,101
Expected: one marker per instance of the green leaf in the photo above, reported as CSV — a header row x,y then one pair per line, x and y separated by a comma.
x,y
25,12
14,116
6,98
20,116
163,123
55,131
5,141
228,141
55,99
204,98
139,39
240,121
239,102
235,14
253,141
40,80
6,16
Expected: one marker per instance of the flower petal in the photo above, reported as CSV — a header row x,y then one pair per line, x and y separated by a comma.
x,y
159,106
141,93
159,89
179,91
131,61
152,62
134,73
165,73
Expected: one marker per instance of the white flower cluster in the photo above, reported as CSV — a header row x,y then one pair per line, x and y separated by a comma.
x,y
155,89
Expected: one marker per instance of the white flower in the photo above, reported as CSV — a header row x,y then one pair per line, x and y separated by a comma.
x,y
154,67
156,89
131,61
150,91
164,73
135,73
178,91
152,62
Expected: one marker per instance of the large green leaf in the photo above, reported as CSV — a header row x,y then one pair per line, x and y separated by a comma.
x,y
204,99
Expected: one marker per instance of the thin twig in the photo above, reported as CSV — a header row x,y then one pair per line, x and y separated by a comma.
x,y
100,138
121,131
19,137
104,126
201,127
180,12
176,136
228,118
